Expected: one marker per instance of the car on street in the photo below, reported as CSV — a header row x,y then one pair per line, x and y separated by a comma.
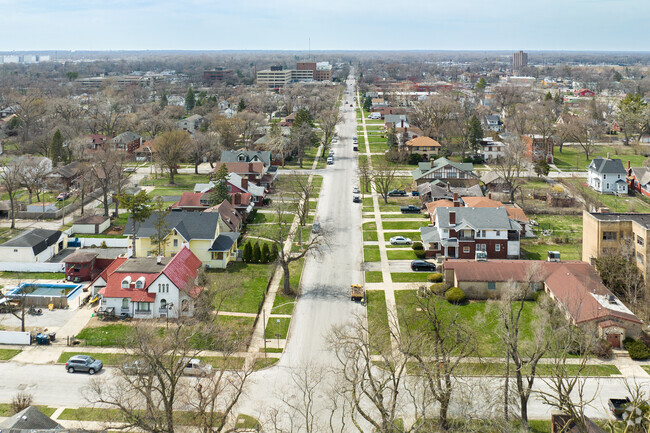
x,y
355,148
83,363
331,152
196,367
395,192
355,190
356,199
355,139
330,160
315,228
617,406
423,265
129,170
62,196
410,209
400,240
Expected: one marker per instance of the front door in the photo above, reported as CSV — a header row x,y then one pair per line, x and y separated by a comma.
x,y
451,252
614,340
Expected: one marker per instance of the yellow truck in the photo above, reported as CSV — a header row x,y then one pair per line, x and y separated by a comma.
x,y
357,293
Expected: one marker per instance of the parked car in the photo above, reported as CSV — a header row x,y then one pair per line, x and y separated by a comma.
x,y
400,240
315,228
355,190
62,196
355,148
83,363
139,366
423,265
415,193
395,192
331,152
617,406
196,367
355,140
356,199
410,209
330,160
130,170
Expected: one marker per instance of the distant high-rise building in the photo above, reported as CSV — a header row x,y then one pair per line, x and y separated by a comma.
x,y
216,74
519,60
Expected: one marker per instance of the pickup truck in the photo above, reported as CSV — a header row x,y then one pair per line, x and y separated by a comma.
x,y
395,192
617,406
410,209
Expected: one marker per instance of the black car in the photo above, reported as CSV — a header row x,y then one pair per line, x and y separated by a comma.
x,y
356,199
410,209
83,363
395,192
422,265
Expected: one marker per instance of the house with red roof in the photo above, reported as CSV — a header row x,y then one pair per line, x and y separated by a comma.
x,y
148,288
574,286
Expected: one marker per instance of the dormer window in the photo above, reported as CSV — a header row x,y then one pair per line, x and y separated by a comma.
x,y
139,283
126,282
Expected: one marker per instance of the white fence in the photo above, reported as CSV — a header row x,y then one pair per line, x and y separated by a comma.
x,y
32,267
110,242
14,337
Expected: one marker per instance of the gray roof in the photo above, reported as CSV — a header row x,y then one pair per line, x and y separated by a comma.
x,y
480,218
37,239
248,155
491,176
224,241
606,165
395,118
642,174
642,219
143,265
190,225
429,234
125,137
438,191
29,419
424,168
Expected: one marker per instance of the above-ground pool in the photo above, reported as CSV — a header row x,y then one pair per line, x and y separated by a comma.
x,y
42,294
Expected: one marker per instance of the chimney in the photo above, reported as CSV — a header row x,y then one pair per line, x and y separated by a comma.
x,y
452,218
456,201
490,195
244,184
607,155
402,124
250,167
159,259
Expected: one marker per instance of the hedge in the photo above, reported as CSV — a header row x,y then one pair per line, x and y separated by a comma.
x,y
637,350
420,254
435,277
455,295
417,246
439,288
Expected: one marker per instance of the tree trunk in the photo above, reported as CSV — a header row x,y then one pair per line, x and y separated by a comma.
x,y
83,195
30,196
286,287
523,401
13,211
105,203
442,416
171,175
196,168
506,388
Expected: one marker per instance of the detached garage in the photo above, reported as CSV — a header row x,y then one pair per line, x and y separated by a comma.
x,y
92,224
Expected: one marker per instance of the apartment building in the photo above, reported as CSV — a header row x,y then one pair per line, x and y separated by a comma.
x,y
616,233
519,60
274,77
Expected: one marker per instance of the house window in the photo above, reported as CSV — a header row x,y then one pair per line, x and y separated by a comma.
x,y
143,307
618,175
497,247
434,246
639,258
466,250
640,241
604,176
607,186
125,303
492,285
175,242
481,247
498,232
609,236
163,304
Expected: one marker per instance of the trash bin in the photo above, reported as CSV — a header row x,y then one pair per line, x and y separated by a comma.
x,y
42,339
52,336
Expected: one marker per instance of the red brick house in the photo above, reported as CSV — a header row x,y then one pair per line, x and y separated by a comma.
x,y
538,147
84,265
584,93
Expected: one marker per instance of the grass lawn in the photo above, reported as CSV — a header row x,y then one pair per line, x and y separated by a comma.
x,y
285,304
409,277
5,409
619,204
32,275
371,253
573,157
378,318
378,159
295,270
499,369
106,335
377,145
414,235
251,281
371,225
182,181
374,277
561,225
274,327
7,354
169,192
102,414
106,358
401,255
405,225
261,363
410,216
7,233
247,422
481,316
369,235
532,250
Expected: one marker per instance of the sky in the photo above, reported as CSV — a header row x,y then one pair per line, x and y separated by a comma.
x,y
591,25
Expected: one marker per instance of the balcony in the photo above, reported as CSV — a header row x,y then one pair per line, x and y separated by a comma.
x,y
464,238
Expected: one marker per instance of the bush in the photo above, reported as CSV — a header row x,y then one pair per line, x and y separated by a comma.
x,y
455,296
248,253
602,349
637,350
415,159
420,254
435,277
417,246
251,216
257,253
439,288
274,253
266,254
21,401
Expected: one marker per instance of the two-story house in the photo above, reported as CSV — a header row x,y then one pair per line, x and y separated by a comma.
x,y
148,288
127,141
253,172
492,122
191,123
459,232
607,176
538,147
491,150
425,146
446,171
639,179
204,233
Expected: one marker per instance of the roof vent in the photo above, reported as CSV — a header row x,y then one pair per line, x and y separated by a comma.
x,y
159,259
126,282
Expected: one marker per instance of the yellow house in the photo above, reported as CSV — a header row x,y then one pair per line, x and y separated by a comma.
x,y
204,233
425,146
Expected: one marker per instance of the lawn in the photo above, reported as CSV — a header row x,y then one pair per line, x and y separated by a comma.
x,y
286,304
7,233
560,225
369,235
499,369
275,326
379,159
32,275
7,354
405,225
374,277
414,235
481,316
409,277
6,411
532,250
261,363
378,318
401,255
181,181
106,358
106,335
295,270
248,293
103,414
409,216
371,225
169,192
371,253
614,203
573,157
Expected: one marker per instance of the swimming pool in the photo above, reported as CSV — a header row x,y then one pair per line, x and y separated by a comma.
x,y
45,290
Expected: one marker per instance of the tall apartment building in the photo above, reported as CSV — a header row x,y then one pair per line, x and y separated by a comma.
x,y
519,60
322,71
606,233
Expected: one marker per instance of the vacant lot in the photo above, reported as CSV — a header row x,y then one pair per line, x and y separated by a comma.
x,y
614,203
573,158
248,292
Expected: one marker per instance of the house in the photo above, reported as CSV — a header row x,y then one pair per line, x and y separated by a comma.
x,y
492,122
247,156
192,202
252,172
202,232
145,151
438,190
607,176
584,93
127,141
242,200
237,185
425,146
91,224
86,264
147,288
639,179
66,175
96,141
288,121
442,169
33,245
494,182
459,232
29,420
574,286
491,150
396,121
606,233
191,123
538,148
230,216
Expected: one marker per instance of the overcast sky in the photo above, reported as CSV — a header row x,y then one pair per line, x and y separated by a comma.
x,y
331,24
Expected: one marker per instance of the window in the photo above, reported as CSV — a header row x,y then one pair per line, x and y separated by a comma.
x,y
618,175
497,247
175,242
125,303
143,307
481,247
639,258
492,285
609,236
163,304
498,232
604,176
466,250
607,186
640,241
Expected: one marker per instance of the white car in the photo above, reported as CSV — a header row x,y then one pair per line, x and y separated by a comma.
x,y
355,190
196,367
400,240
330,161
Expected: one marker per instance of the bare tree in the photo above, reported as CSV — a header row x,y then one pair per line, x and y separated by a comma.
x,y
104,172
250,123
31,108
518,119
510,165
106,116
228,131
383,175
200,145
10,179
328,120
171,148
33,170
582,130
365,173
302,136
435,115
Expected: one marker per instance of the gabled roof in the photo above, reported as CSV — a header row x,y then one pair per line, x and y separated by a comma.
x,y
425,168
80,256
240,168
607,166
36,239
477,218
429,234
92,219
125,137
642,174
248,155
29,419
224,242
481,202
183,268
190,225
432,205
230,216
422,141
190,199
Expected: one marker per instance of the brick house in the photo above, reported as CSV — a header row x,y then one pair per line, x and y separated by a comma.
x,y
425,146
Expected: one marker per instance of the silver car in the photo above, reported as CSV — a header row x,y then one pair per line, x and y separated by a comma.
x,y
400,240
196,367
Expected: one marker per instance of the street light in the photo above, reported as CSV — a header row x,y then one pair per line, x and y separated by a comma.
x,y
264,323
169,308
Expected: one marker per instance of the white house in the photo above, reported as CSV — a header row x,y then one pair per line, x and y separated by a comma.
x,y
607,176
34,245
491,150
147,288
91,224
